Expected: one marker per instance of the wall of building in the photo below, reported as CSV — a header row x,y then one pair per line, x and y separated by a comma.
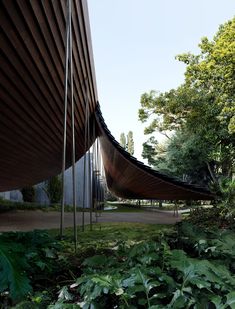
x,y
41,197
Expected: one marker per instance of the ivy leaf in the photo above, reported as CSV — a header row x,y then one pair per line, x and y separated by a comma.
x,y
178,300
49,253
200,283
64,294
217,301
41,264
95,261
231,299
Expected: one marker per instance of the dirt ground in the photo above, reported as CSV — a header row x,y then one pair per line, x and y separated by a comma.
x,y
30,220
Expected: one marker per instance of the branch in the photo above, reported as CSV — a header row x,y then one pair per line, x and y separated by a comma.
x,y
211,173
163,133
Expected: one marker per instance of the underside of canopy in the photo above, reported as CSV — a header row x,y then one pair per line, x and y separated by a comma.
x,y
32,72
32,66
129,178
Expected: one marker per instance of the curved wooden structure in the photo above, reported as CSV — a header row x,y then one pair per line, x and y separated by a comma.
x,y
32,65
129,178
32,39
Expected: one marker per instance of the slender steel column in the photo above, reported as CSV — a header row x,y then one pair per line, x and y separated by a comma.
x,y
84,189
99,178
89,167
95,179
93,174
73,127
84,192
85,157
65,119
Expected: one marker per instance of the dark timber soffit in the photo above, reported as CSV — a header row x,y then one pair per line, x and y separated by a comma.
x,y
129,178
32,39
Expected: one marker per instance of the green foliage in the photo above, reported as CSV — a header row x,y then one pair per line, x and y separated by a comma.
x,y
207,217
213,71
7,205
12,270
227,188
219,216
150,151
26,257
123,266
53,189
28,194
152,275
200,111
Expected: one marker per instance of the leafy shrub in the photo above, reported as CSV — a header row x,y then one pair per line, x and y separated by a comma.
x,y
25,260
7,205
151,275
190,268
53,189
210,218
28,194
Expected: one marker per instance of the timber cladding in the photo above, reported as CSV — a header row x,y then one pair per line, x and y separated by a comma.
x,y
32,67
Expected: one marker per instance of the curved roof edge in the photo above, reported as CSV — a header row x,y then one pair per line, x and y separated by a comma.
x,y
150,184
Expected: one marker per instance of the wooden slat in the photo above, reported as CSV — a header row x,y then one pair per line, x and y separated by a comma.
x,y
32,39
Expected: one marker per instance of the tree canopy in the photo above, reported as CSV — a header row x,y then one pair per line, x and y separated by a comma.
x,y
200,112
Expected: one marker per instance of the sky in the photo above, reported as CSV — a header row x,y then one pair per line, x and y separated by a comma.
x,y
134,45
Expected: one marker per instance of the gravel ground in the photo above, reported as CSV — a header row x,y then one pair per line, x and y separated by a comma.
x,y
30,220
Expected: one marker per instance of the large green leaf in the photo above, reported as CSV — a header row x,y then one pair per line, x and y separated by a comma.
x,y
12,271
231,299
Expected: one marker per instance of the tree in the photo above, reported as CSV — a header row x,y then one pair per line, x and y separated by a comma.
x,y
127,142
213,72
53,189
28,194
201,110
123,141
150,151
130,143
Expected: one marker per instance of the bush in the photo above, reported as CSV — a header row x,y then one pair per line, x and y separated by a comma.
x,y
152,275
53,189
228,193
210,218
28,194
27,260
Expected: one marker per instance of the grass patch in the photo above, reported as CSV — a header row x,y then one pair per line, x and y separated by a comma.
x,y
105,233
121,207
7,205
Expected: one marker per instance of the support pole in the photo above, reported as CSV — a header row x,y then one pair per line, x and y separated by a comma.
x,y
89,169
73,129
93,191
84,189
85,156
65,119
95,180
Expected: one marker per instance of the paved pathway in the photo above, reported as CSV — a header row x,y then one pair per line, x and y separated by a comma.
x,y
29,220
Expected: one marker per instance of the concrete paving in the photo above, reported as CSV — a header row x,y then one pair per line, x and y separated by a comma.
x,y
30,220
